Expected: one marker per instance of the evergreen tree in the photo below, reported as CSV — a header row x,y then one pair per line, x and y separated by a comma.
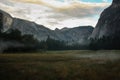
x,y
28,41
107,43
1,21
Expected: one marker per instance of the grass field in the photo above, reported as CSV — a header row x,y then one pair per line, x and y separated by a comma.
x,y
61,65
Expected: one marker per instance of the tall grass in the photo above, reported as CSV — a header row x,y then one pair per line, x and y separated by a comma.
x,y
56,66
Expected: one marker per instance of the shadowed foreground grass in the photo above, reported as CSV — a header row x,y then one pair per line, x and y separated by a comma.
x,y
63,65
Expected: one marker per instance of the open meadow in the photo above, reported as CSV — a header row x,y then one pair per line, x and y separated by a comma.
x,y
61,65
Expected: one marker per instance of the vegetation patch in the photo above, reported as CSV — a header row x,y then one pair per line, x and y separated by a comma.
x,y
57,66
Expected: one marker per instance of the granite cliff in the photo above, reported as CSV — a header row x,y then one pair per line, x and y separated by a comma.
x,y
109,22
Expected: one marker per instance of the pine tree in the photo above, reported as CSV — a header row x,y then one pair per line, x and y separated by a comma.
x,y
1,21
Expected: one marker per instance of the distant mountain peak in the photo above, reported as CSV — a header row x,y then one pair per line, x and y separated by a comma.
x,y
65,28
57,29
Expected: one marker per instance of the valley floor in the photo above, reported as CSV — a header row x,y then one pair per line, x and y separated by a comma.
x,y
61,65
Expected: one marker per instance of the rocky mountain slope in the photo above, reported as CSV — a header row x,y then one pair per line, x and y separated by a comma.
x,y
5,21
109,22
40,32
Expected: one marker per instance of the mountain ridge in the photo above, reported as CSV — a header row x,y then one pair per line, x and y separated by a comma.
x,y
40,32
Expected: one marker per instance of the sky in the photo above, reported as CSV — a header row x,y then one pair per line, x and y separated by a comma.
x,y
57,13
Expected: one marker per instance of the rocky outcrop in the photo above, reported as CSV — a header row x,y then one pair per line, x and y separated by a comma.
x,y
5,21
109,22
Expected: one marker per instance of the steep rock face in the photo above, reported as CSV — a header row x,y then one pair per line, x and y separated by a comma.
x,y
5,21
26,27
109,22
116,1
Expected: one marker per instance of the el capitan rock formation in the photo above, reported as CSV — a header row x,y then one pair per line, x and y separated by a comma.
x,y
106,34
109,22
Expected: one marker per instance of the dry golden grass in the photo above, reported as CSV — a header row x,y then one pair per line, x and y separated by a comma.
x,y
59,65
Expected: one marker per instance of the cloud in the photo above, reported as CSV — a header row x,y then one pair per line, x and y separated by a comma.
x,y
80,10
55,13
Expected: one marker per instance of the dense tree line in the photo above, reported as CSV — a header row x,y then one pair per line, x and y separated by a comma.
x,y
105,43
28,41
1,21
32,44
17,36
52,44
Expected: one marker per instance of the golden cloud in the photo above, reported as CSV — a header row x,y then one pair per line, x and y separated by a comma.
x,y
53,12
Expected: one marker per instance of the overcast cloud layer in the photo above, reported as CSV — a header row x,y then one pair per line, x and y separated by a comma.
x,y
53,13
